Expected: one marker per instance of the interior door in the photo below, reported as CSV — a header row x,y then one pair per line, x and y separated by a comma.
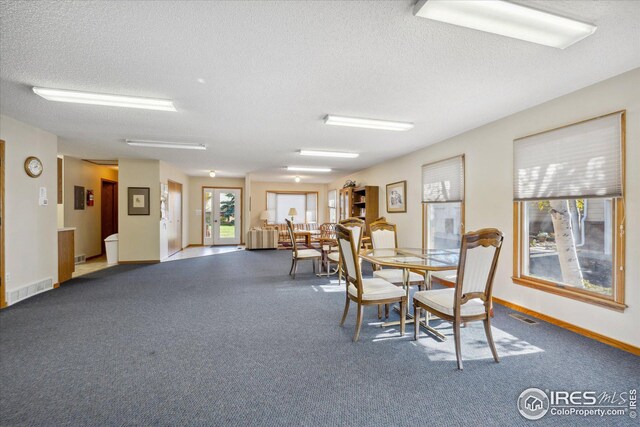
x,y
108,209
174,229
227,211
207,216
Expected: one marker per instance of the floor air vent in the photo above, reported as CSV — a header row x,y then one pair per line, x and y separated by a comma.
x,y
523,318
80,259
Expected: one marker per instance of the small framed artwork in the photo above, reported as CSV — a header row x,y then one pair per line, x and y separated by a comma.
x,y
138,200
78,198
397,197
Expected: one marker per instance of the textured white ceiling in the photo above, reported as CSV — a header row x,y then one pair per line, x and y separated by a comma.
x,y
271,71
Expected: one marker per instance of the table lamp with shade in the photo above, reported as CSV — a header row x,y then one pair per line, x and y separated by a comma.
x,y
292,213
264,216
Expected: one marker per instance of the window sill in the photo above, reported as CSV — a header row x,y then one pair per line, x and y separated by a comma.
x,y
570,293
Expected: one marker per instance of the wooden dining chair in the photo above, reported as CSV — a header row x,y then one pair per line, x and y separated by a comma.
x,y
300,254
384,236
373,291
357,226
470,299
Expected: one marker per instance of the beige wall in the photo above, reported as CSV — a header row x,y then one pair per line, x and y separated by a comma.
x,y
139,235
195,202
171,173
259,197
88,234
31,238
489,189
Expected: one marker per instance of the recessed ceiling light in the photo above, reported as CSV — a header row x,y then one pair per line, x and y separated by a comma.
x,y
165,144
307,169
328,154
507,19
201,80
212,174
366,123
296,179
62,95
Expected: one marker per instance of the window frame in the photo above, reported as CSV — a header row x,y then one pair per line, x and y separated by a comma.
x,y
616,300
301,193
335,208
425,205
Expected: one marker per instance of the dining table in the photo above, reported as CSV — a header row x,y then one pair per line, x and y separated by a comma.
x,y
418,260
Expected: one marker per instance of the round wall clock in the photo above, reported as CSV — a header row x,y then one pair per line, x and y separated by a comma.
x,y
33,167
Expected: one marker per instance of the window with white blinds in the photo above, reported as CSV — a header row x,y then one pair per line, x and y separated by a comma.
x,y
580,160
305,204
443,181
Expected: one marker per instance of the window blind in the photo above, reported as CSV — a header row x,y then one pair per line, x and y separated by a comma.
x,y
443,181
581,160
306,204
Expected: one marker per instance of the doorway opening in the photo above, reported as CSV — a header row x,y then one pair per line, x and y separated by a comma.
x,y
108,210
221,216
174,230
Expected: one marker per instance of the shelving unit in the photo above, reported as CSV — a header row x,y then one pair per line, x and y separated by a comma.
x,y
359,202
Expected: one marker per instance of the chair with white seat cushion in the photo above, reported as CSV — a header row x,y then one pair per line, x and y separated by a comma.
x,y
363,292
470,300
300,254
384,236
357,226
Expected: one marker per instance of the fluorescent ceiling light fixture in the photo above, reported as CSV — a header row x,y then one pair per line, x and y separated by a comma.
x,y
366,123
165,144
63,95
507,19
306,169
328,154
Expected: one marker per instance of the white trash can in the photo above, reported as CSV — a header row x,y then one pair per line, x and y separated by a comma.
x,y
111,245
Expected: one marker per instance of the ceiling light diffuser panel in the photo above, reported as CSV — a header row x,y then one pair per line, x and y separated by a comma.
x,y
507,19
62,95
334,120
165,144
307,169
328,154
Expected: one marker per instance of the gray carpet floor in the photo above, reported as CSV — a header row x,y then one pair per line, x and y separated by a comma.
x,y
232,340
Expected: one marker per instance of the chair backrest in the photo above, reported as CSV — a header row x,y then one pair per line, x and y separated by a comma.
x,y
292,237
348,249
356,225
328,230
383,235
479,253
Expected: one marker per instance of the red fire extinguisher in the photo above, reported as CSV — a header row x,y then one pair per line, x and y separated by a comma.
x,y
89,197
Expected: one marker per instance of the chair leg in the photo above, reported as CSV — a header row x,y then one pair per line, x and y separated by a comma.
x,y
416,321
487,330
386,311
295,267
358,323
403,315
314,265
293,261
456,335
346,310
379,311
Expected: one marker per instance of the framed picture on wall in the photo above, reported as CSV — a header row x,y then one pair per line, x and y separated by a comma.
x,y
138,200
397,197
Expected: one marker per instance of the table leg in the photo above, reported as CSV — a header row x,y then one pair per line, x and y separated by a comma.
x,y
409,316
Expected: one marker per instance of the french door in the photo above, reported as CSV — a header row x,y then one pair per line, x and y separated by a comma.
x,y
222,210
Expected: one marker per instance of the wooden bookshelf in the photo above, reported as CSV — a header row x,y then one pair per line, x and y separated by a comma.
x,y
359,202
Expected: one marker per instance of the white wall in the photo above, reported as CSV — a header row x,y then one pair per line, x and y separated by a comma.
x,y
31,237
489,200
139,235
